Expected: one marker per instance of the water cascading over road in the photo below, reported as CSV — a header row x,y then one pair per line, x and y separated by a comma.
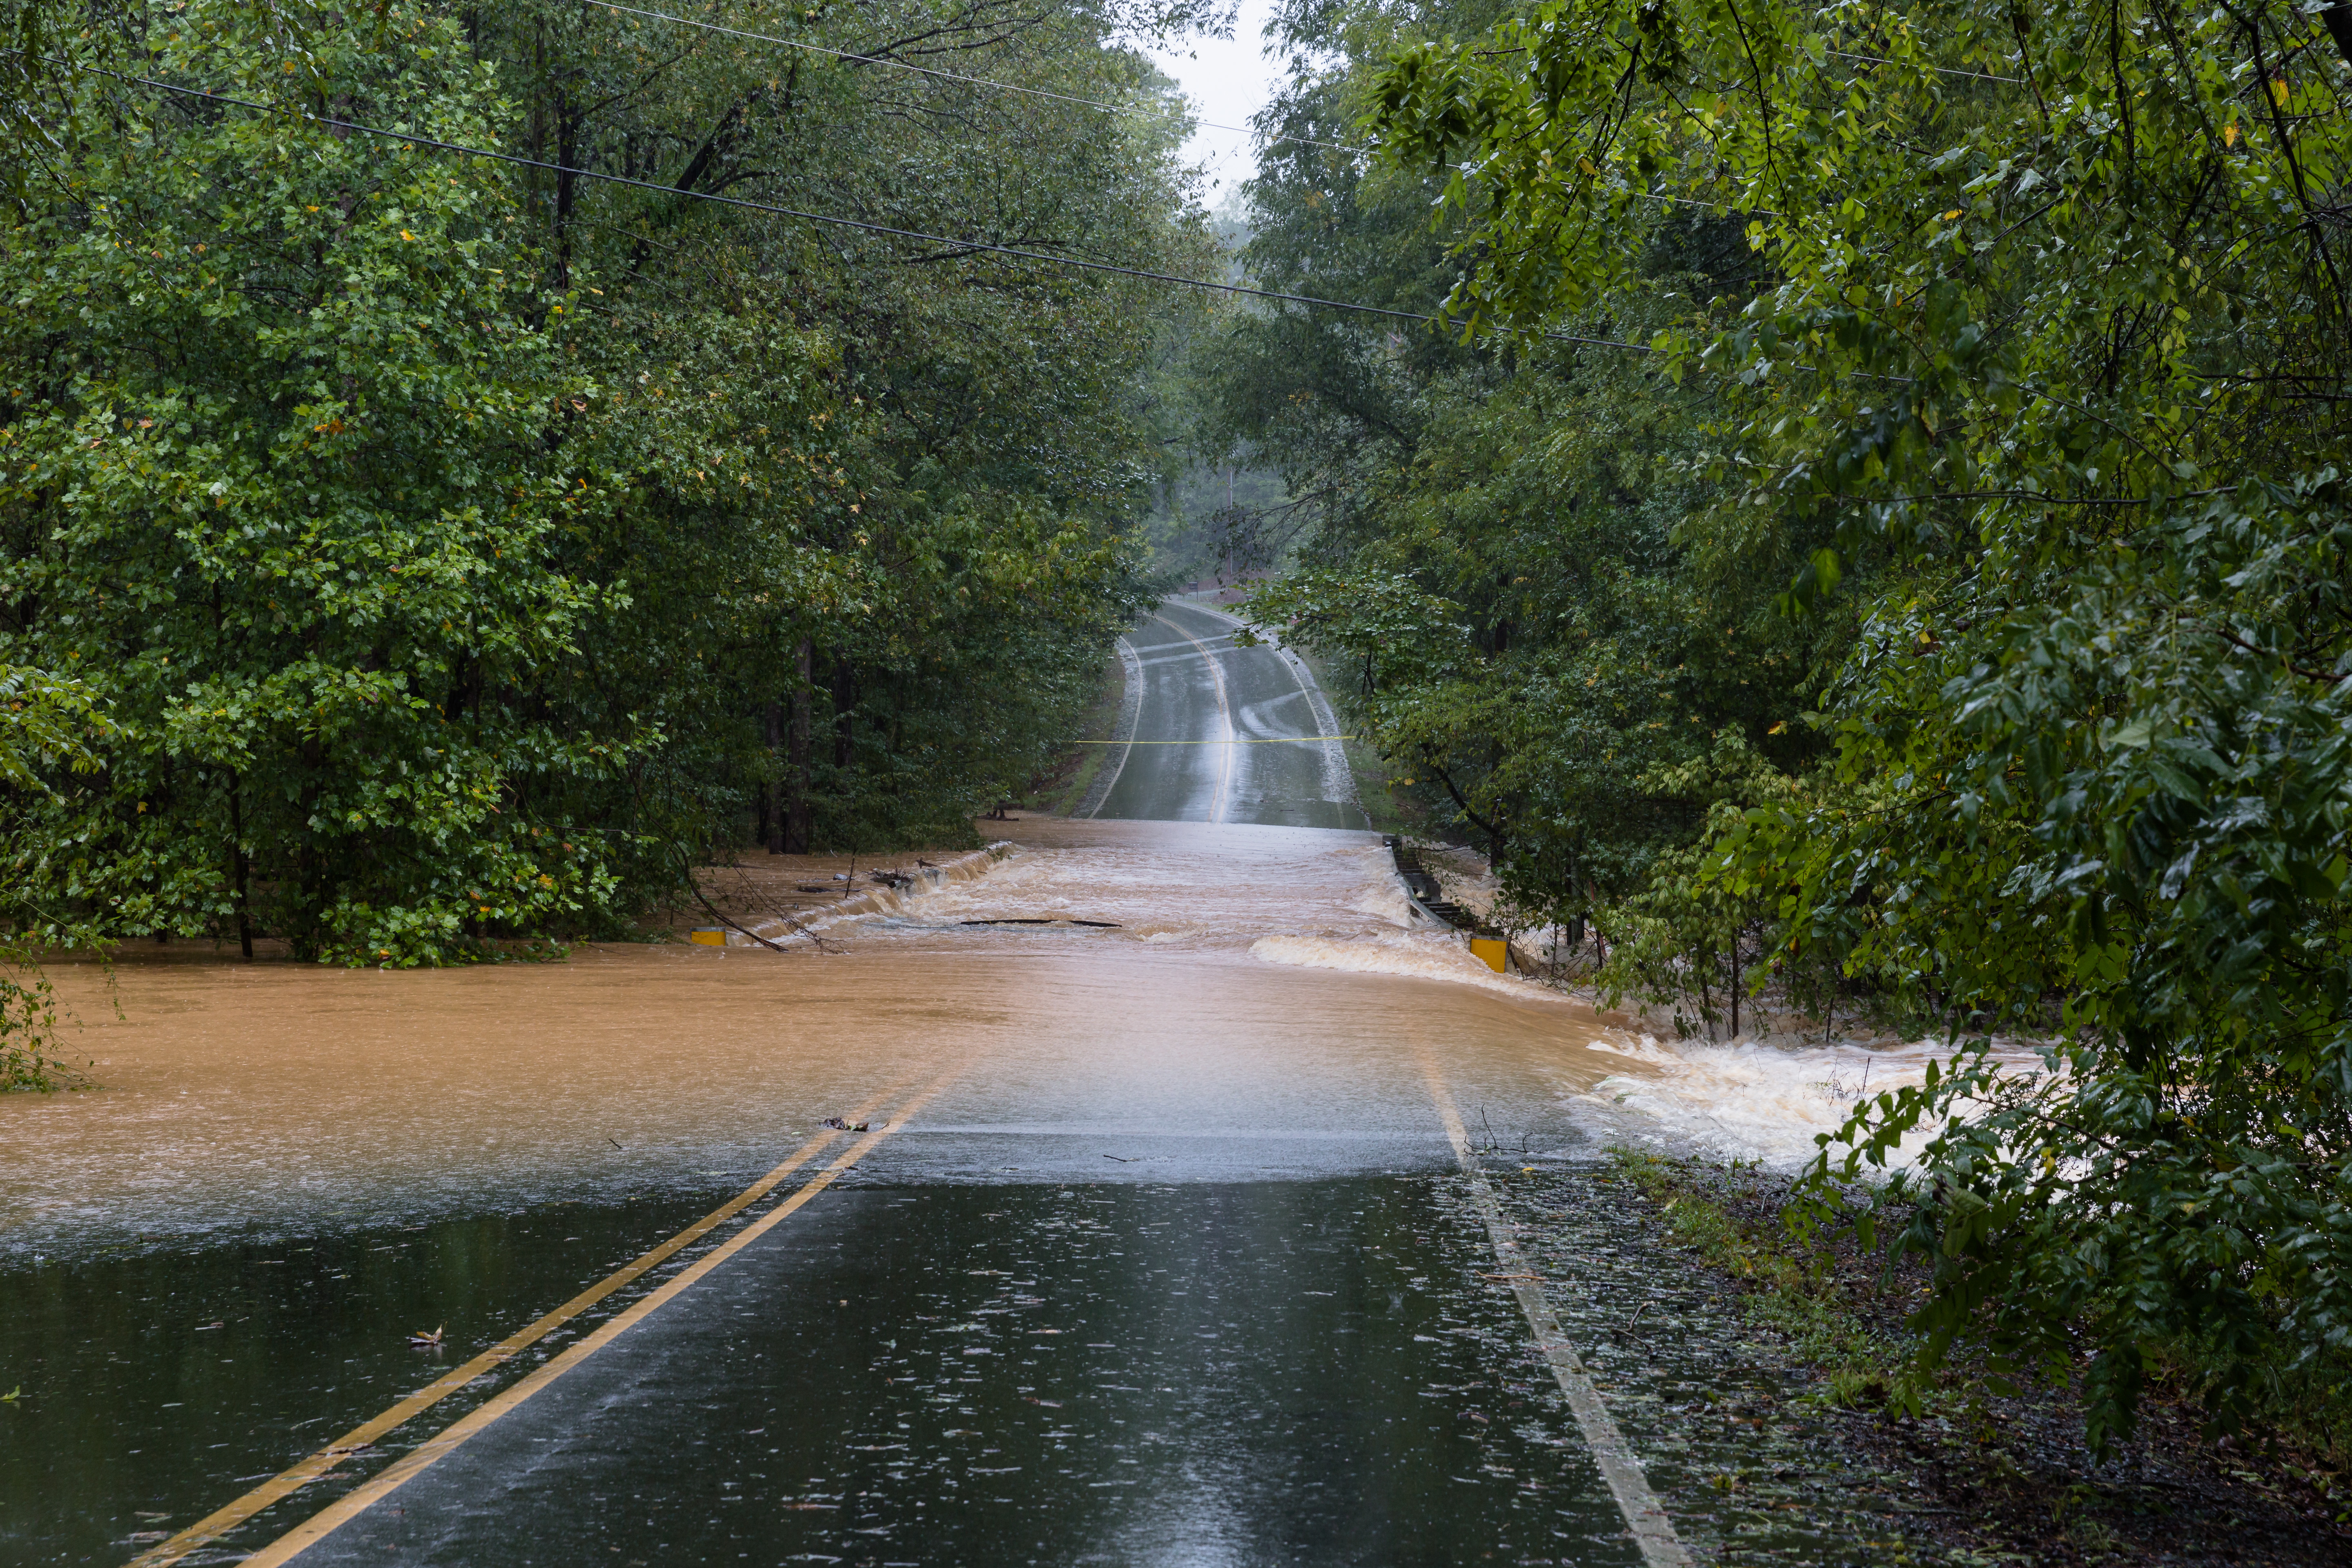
x,y
1186,1236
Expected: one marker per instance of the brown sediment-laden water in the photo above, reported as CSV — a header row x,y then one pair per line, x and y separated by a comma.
x,y
1251,980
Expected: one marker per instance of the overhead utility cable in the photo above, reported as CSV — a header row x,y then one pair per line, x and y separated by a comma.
x,y
1840,54
961,246
946,75
1939,71
1037,91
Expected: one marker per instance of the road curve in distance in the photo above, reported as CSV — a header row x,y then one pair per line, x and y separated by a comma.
x,y
1219,732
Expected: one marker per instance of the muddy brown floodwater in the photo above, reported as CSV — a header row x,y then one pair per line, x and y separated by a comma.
x,y
1159,1250
1257,985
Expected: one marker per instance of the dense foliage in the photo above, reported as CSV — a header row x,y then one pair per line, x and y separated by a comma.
x,y
1493,542
2002,459
459,549
45,723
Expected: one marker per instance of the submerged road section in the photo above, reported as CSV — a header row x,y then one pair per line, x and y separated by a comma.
x,y
1196,1234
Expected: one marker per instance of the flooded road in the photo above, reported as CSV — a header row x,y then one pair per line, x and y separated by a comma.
x,y
1238,1012
1148,1242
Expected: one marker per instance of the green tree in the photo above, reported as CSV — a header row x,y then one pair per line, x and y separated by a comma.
x,y
46,723
461,548
2045,382
284,486
1495,562
990,450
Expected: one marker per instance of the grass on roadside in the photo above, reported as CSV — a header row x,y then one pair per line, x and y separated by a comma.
x,y
2013,1458
1814,1296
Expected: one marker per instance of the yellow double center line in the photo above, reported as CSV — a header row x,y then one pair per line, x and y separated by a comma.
x,y
344,1509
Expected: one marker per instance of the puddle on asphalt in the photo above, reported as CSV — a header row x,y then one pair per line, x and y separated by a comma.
x,y
1289,1371
155,1386
1268,1371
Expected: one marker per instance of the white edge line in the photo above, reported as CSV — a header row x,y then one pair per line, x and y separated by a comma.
x,y
1130,716
1653,1532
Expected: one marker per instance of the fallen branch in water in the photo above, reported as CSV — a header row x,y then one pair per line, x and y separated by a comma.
x,y
723,918
775,911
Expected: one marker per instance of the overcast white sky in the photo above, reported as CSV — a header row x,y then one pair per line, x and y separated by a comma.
x,y
1228,80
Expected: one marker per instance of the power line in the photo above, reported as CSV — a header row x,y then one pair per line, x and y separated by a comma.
x,y
1039,92
961,246
1939,71
950,76
1840,54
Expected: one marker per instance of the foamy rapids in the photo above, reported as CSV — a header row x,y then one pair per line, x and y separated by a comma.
x,y
1317,905
1750,1099
1300,899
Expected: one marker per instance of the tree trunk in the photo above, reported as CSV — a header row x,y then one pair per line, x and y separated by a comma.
x,y
844,699
1734,985
2338,19
800,811
567,135
236,863
772,794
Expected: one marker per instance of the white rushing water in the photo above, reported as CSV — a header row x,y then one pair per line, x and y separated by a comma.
x,y
1760,1100
1334,903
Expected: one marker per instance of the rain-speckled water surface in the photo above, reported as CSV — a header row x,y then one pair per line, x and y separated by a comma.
x,y
1279,1372
1262,1373
1198,1373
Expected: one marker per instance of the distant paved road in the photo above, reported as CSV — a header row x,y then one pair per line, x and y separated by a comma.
x,y
1209,737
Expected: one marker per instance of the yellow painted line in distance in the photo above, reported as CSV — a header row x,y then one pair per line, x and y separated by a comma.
x,y
1653,1532
426,1455
296,1477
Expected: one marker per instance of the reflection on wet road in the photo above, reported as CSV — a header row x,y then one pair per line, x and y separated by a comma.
x,y
1276,1372
1117,1374
1158,1250
1209,743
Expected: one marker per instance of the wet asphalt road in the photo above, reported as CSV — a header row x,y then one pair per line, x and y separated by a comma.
x,y
1113,1373
1251,1318
1208,743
